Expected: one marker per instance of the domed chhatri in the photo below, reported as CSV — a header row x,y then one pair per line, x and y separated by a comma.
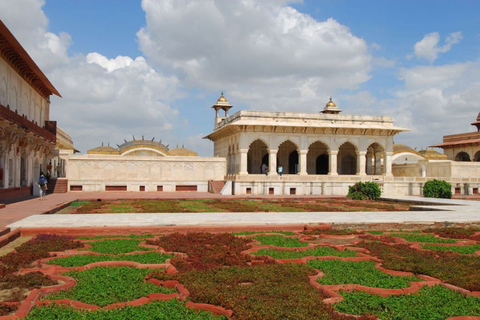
x,y
222,103
331,108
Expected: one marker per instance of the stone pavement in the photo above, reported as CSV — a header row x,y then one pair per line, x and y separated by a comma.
x,y
27,214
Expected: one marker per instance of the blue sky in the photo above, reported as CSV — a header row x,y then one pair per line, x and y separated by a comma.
x,y
417,61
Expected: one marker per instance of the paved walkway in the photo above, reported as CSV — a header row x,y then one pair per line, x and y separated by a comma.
x,y
27,214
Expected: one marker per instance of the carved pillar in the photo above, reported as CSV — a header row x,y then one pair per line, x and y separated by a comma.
x,y
303,162
388,163
243,162
333,163
272,162
361,162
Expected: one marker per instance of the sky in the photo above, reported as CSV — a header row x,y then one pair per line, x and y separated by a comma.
x,y
154,68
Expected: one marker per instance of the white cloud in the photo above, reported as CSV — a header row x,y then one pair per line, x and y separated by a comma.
x,y
263,53
436,101
428,48
103,99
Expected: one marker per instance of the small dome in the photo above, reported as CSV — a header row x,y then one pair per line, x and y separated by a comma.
x,y
331,104
222,99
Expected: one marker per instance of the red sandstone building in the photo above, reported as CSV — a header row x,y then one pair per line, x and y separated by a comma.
x,y
27,135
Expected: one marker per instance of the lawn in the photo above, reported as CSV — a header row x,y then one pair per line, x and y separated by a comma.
x,y
234,205
218,274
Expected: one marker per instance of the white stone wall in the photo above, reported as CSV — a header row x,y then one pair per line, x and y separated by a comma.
x,y
16,93
22,155
94,172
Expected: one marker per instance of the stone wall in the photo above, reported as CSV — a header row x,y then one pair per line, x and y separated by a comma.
x,y
97,172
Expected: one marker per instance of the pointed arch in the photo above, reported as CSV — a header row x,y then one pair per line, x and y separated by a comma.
x,y
257,152
347,159
375,159
287,157
317,158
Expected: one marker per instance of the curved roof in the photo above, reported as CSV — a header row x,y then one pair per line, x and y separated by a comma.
x,y
398,147
182,152
103,150
142,143
433,155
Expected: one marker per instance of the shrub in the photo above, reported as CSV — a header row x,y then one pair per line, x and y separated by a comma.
x,y
437,189
364,191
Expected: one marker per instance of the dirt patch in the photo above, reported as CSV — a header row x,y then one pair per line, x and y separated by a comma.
x,y
14,244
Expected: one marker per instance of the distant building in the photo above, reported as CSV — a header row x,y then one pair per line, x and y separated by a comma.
x,y
321,153
27,135
462,146
142,165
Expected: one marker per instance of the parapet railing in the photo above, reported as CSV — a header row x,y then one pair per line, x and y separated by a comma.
x,y
48,132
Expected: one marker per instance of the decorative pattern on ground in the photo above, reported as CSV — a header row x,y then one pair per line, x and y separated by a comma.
x,y
249,275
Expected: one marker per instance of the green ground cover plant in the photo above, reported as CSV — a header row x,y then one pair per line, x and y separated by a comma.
x,y
203,205
333,232
164,310
117,246
280,241
469,249
375,232
358,272
460,270
106,285
427,238
78,203
432,303
237,205
248,233
204,250
267,292
318,251
84,259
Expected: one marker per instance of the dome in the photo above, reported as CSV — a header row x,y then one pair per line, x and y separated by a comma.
x,y
331,108
331,104
222,99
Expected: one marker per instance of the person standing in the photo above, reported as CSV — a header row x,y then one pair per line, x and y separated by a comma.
x,y
264,168
42,185
280,170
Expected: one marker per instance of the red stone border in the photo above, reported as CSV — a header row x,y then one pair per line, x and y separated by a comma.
x,y
55,272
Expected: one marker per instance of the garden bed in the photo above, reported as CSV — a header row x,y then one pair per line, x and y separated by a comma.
x,y
394,274
233,205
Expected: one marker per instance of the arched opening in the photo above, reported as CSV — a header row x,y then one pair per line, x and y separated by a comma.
x,y
347,159
321,164
317,158
257,156
293,162
287,157
476,158
23,172
462,156
375,159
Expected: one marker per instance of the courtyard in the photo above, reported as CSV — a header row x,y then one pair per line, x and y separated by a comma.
x,y
108,261
313,273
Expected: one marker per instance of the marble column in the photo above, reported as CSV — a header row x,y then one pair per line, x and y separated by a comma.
x,y
361,161
332,161
388,163
243,162
272,162
302,162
